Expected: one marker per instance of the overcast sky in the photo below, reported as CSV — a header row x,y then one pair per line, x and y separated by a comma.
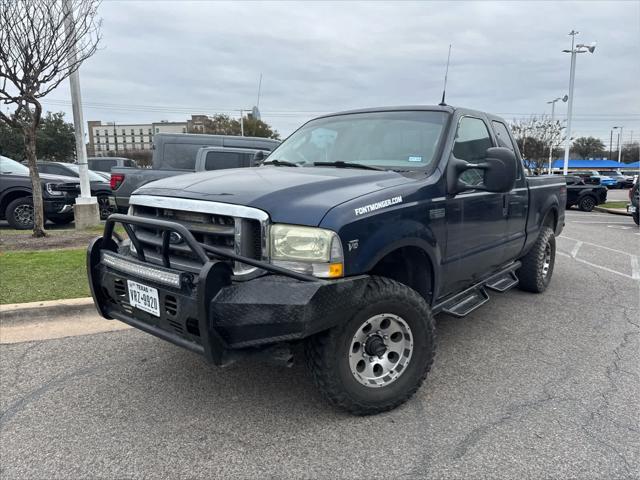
x,y
166,60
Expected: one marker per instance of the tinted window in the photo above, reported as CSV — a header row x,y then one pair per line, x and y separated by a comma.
x,y
102,165
472,141
222,160
129,163
504,140
180,156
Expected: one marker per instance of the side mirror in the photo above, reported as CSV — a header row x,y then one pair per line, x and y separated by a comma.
x,y
500,171
258,157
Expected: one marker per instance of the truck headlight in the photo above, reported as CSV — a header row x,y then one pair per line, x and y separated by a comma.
x,y
314,251
51,190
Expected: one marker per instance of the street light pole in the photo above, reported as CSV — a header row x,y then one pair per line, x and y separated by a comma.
x,y
86,207
620,145
610,143
553,111
575,49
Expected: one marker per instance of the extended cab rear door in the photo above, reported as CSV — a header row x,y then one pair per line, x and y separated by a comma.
x,y
516,202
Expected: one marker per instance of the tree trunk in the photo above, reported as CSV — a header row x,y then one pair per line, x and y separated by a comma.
x,y
36,185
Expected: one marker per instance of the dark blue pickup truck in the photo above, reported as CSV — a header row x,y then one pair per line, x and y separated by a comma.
x,y
348,239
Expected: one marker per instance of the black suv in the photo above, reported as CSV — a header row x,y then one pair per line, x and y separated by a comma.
x,y
16,203
100,187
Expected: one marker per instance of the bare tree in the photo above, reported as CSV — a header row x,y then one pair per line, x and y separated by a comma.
x,y
35,53
535,137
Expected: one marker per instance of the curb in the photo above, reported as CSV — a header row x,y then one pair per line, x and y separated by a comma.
x,y
612,211
50,308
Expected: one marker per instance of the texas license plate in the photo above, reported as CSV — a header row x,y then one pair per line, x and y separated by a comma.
x,y
143,297
631,209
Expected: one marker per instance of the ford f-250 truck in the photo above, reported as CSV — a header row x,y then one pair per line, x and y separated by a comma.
x,y
354,233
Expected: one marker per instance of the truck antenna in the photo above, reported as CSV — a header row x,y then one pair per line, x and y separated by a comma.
x,y
446,73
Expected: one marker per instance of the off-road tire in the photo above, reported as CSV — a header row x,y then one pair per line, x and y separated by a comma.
x,y
327,354
15,213
587,203
531,273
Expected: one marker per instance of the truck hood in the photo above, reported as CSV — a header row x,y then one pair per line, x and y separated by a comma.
x,y
299,195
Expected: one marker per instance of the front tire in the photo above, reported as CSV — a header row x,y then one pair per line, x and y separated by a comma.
x,y
20,213
378,359
636,217
537,265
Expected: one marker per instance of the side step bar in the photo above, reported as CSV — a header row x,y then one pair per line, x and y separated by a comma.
x,y
465,302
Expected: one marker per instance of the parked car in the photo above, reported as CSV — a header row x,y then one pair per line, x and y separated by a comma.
x,y
105,164
100,187
353,234
16,195
585,197
622,180
593,177
180,153
634,200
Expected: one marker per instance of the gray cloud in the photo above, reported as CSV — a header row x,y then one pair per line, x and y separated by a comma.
x,y
163,60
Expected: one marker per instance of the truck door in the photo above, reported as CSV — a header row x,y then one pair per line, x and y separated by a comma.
x,y
476,223
516,202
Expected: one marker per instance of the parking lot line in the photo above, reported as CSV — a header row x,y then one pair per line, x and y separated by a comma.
x,y
606,269
598,246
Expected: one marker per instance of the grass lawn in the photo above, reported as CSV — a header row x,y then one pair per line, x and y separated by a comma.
x,y
28,276
614,205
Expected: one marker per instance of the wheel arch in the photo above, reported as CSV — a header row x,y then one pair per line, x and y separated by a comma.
x,y
411,263
9,196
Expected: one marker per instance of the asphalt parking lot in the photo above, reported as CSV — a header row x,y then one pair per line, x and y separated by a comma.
x,y
528,386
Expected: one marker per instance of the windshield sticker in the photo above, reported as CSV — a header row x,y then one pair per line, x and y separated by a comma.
x,y
415,159
378,205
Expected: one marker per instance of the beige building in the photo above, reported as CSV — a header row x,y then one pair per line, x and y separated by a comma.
x,y
118,138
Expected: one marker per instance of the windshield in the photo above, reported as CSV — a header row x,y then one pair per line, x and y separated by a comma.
x,y
11,166
405,140
93,176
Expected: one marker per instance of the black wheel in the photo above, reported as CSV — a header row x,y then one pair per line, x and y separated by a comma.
x,y
537,265
636,217
104,207
19,213
379,358
62,219
587,203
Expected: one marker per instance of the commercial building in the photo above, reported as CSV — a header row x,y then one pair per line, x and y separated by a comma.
x,y
119,137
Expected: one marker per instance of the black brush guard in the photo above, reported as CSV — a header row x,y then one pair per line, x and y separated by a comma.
x,y
210,313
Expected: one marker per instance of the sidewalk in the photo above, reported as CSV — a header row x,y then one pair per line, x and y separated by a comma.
x,y
615,211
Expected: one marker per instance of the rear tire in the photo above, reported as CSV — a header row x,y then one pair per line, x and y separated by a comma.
x,y
587,203
378,359
19,213
104,207
636,217
537,265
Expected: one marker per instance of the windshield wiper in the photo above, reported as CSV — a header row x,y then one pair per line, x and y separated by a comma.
x,y
341,164
281,163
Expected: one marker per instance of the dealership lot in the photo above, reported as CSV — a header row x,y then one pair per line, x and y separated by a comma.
x,y
528,386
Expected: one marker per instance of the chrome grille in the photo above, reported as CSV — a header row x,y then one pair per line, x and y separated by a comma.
x,y
208,222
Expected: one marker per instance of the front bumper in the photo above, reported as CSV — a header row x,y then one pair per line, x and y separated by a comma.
x,y
58,207
211,314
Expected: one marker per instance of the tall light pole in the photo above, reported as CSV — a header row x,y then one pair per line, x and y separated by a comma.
x,y
575,49
85,209
553,111
619,141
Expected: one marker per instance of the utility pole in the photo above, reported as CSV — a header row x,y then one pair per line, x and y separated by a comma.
x,y
115,136
242,123
86,211
610,143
